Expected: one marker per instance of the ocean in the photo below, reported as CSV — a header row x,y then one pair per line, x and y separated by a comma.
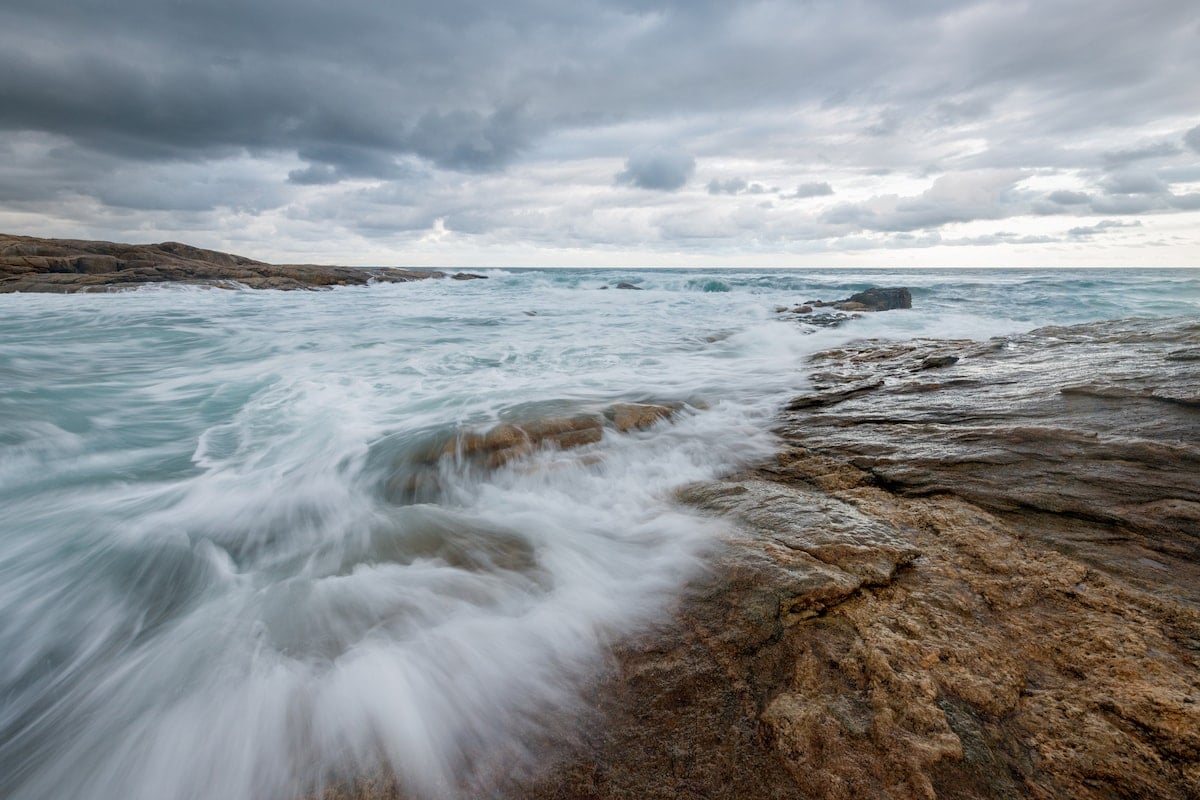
x,y
214,582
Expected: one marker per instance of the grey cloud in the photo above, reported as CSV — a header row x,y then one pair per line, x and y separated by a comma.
x,y
1134,183
1085,232
1065,198
1186,202
951,198
1128,203
1192,138
657,167
487,108
468,140
1002,237
1157,150
331,164
737,186
731,186
812,190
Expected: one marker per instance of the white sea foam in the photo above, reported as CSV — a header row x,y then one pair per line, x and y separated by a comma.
x,y
206,592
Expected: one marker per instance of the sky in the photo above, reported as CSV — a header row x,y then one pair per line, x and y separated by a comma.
x,y
625,132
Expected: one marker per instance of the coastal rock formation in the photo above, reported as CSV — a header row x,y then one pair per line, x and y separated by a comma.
x,y
29,264
416,477
873,299
983,586
878,299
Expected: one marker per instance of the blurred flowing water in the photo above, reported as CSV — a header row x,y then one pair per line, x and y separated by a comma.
x,y
207,590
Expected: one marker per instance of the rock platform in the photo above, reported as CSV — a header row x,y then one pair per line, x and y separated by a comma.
x,y
30,264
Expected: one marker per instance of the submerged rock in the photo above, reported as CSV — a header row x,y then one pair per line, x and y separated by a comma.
x,y
636,416
417,476
624,285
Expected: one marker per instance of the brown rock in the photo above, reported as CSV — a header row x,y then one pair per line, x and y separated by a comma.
x,y
902,610
941,592
29,264
636,416
937,362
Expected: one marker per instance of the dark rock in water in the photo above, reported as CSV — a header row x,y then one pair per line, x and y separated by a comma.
x,y
833,319
937,362
880,299
468,276
30,264
876,299
624,285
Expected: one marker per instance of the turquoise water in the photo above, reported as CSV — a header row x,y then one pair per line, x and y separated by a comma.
x,y
208,591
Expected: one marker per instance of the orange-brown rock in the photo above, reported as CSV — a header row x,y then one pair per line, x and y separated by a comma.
x,y
626,417
938,590
417,478
979,587
29,264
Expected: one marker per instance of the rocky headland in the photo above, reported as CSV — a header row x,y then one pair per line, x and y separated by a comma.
x,y
30,264
972,571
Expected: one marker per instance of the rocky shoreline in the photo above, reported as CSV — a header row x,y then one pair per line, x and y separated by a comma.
x,y
972,571
30,264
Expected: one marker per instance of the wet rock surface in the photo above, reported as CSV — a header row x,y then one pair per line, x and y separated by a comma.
x,y
29,264
876,298
979,586
419,475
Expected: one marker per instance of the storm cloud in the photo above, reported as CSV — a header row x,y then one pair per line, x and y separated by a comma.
x,y
528,132
657,167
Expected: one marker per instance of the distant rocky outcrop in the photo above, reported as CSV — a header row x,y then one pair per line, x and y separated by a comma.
x,y
29,264
877,299
873,299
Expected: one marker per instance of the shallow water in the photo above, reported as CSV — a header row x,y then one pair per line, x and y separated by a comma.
x,y
207,590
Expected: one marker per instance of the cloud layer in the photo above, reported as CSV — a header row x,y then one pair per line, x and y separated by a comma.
x,y
624,131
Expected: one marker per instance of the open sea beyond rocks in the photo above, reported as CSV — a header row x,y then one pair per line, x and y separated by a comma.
x,y
249,549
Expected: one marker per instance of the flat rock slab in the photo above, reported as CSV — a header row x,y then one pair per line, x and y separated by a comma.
x,y
1088,436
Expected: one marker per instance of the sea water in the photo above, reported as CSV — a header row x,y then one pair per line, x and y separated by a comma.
x,y
207,589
